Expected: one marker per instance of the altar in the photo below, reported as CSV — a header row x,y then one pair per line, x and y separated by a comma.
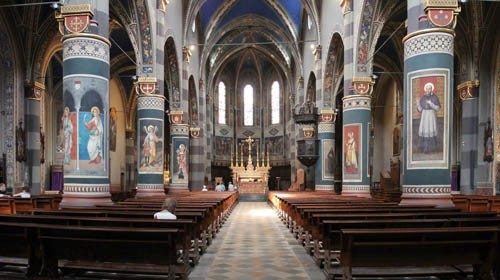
x,y
250,179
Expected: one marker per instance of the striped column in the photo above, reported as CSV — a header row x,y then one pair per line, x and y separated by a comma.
x,y
179,163
33,94
197,163
468,92
355,137
130,167
86,103
325,165
428,97
150,138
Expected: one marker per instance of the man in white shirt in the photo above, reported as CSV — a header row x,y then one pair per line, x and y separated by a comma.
x,y
220,187
230,187
204,189
24,194
168,208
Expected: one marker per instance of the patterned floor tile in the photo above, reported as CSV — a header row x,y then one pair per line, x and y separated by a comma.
x,y
254,244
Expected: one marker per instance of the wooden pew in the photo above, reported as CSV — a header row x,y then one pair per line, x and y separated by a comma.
x,y
110,249
419,247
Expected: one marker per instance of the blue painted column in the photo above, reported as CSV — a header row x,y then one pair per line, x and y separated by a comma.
x,y
325,165
428,97
179,160
150,138
86,46
355,135
33,94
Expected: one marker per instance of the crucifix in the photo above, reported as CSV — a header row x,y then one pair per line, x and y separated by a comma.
x,y
249,141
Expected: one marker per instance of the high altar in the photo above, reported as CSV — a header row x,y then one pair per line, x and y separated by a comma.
x,y
250,179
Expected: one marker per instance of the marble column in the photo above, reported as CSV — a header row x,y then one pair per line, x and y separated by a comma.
x,y
356,127
468,92
179,160
150,138
33,93
325,165
85,30
428,101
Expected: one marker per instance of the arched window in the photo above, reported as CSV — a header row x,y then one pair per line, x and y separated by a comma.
x,y
222,103
248,105
275,103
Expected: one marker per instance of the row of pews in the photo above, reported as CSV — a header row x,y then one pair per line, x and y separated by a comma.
x,y
350,237
114,241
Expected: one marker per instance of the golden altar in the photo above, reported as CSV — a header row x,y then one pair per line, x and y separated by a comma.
x,y
250,179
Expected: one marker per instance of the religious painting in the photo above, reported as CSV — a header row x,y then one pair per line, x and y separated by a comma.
x,y
67,138
223,146
274,146
151,145
180,156
92,145
353,159
369,156
328,164
113,123
428,119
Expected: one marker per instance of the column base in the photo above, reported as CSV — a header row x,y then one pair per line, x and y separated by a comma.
x,y
356,190
443,201
75,199
150,191
178,189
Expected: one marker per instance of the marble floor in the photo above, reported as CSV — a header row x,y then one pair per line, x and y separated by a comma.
x,y
254,244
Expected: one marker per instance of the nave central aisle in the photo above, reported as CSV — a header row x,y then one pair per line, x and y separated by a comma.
x,y
254,244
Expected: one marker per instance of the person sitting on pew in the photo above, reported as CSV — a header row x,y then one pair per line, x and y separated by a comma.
x,y
24,194
220,187
204,188
230,187
168,208
3,190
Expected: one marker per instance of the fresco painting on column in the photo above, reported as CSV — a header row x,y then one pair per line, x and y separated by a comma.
x,y
180,160
428,122
151,145
328,163
91,140
352,153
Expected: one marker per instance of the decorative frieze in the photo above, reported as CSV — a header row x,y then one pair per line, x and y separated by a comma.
x,y
426,190
86,47
80,188
151,102
428,42
357,102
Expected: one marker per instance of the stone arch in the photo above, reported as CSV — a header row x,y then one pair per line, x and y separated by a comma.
x,y
193,101
172,86
311,88
334,69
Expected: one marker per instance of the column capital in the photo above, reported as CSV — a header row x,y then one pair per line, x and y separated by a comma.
x,y
176,117
74,18
327,115
34,90
363,85
442,13
468,90
145,85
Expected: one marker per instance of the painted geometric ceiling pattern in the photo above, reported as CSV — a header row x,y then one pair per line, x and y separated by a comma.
x,y
252,7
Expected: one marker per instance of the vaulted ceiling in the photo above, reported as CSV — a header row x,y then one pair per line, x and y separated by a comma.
x,y
271,28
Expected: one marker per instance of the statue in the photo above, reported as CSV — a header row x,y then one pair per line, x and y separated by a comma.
x,y
488,143
20,143
42,145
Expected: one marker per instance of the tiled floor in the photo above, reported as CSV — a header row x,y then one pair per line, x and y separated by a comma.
x,y
254,244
